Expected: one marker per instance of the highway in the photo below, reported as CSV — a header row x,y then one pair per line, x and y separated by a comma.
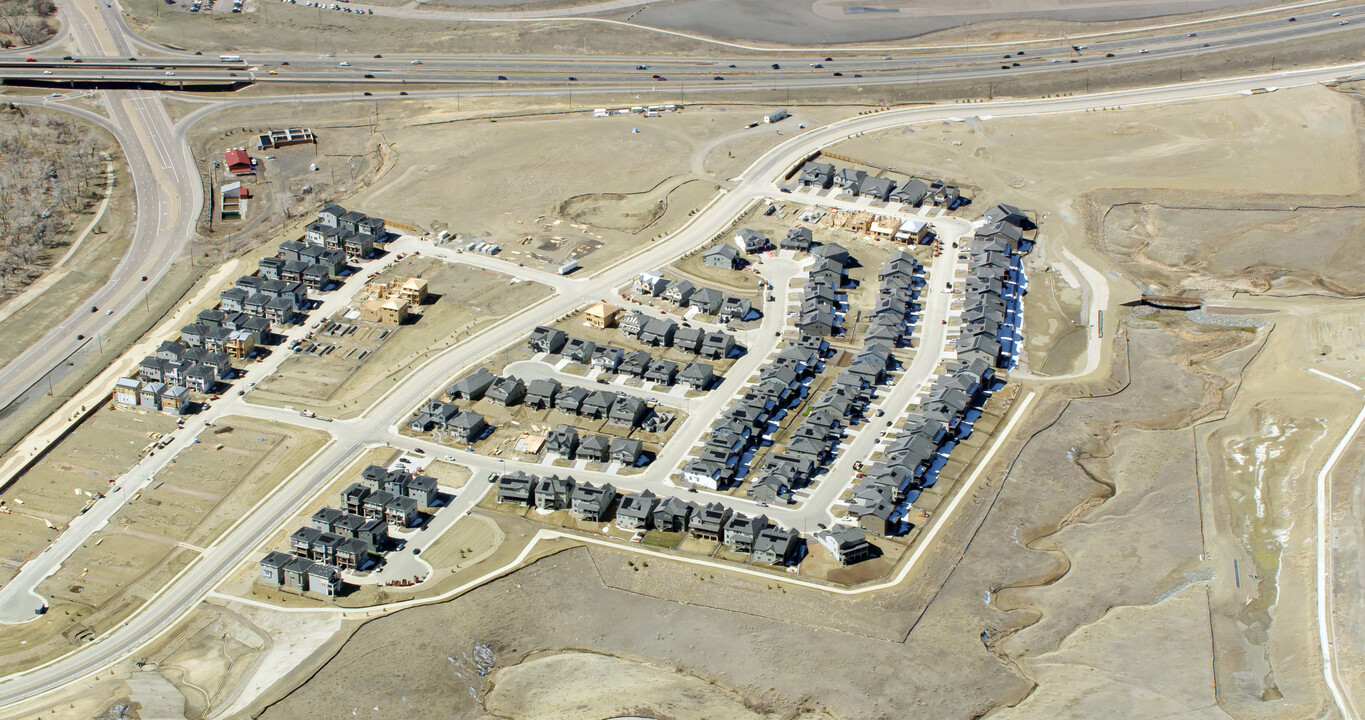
x,y
182,594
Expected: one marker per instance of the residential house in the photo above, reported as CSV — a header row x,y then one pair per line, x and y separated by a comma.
x,y
672,515
468,426
651,283
126,391
850,180
847,545
769,488
506,391
579,350
706,300
602,315
776,546
698,375
679,291
717,345
741,531
689,339
562,441
595,448
434,414
632,323
472,386
547,340
541,392
627,451
799,239
751,241
636,511
554,492
608,358
517,487
910,192
662,372
877,187
817,174
626,411
735,309
570,399
834,251
708,522
591,503
725,257
658,331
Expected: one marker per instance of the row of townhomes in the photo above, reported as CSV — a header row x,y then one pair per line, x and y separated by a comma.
x,y
822,308
667,332
640,364
858,183
685,295
349,231
274,295
911,461
565,443
767,543
995,284
618,409
353,536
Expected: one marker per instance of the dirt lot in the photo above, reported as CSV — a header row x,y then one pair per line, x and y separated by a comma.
x,y
342,381
192,502
86,461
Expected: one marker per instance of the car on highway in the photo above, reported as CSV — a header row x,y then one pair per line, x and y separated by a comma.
x,y
378,56
776,66
838,74
502,77
30,59
574,79
368,93
368,76
47,72
80,337
1343,22
94,308
717,78
170,72
415,62
343,63
816,65
403,92
646,67
286,62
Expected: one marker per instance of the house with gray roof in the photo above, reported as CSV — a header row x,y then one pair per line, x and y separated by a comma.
x,y
679,292
708,522
849,179
594,448
636,363
689,339
540,393
598,404
672,515
632,323
816,174
697,375
909,192
736,309
517,487
662,372
877,187
751,241
579,350
554,492
468,426
434,414
562,441
776,546
507,391
607,357
472,386
835,252
799,239
636,511
741,531
591,502
547,340
626,411
658,331
769,488
847,545
570,399
626,451
725,257
707,300
717,345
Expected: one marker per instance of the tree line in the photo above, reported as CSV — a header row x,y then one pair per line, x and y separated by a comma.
x,y
51,168
26,22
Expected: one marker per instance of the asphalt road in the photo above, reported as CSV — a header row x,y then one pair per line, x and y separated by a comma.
x,y
183,593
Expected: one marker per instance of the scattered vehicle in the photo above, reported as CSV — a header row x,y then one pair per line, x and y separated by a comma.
x,y
343,63
717,78
880,412
272,72
368,76
732,65
108,312
1142,51
449,458
776,66
1109,55
1336,14
80,337
403,92
1343,22
170,72
368,93
1193,35
415,62
646,67
47,72
378,56
656,76
816,65
574,79
829,59
502,77
420,451
94,308
417,551
838,74
30,59
66,57
1293,19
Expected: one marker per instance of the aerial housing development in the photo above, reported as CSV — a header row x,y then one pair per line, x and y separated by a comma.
x,y
735,360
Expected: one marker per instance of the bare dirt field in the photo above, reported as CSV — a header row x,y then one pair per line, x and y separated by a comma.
x,y
190,503
360,365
